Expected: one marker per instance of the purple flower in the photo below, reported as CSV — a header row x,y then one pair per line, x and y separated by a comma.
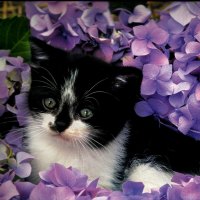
x,y
59,34
140,14
147,38
21,165
98,14
22,111
42,191
105,51
193,107
168,24
120,42
189,10
57,7
181,179
188,187
14,77
8,190
58,175
14,140
183,85
143,109
157,79
130,188
157,105
122,24
193,48
24,189
191,32
182,118
7,176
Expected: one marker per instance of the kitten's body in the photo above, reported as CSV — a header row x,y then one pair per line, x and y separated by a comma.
x,y
113,143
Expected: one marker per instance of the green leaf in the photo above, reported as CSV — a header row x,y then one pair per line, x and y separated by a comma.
x,y
14,36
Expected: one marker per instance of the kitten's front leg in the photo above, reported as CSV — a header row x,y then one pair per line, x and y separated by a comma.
x,y
152,177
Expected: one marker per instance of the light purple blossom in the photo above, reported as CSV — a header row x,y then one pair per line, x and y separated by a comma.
x,y
14,77
140,14
21,165
57,7
8,190
58,175
189,10
182,118
99,15
185,187
42,191
147,37
24,189
157,79
156,105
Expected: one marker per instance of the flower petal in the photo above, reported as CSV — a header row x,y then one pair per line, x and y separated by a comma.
x,y
192,47
23,170
165,73
165,88
8,191
143,109
140,32
177,100
139,48
151,71
140,14
148,87
160,38
178,12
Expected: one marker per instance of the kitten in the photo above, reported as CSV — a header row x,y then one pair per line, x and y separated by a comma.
x,y
82,115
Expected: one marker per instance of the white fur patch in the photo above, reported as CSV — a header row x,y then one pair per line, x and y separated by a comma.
x,y
152,177
68,89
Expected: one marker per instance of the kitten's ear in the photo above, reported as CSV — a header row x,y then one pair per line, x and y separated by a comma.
x,y
39,50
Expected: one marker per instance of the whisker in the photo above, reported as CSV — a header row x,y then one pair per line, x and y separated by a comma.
x,y
49,82
97,102
94,86
104,93
46,87
49,74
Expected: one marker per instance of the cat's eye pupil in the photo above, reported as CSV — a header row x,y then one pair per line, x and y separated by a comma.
x,y
86,113
49,103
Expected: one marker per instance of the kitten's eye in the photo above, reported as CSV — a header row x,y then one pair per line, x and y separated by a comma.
x,y
49,103
86,113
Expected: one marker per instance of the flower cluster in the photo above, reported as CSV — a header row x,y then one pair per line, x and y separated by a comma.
x,y
166,50
14,83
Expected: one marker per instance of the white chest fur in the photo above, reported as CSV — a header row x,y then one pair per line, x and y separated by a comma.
x,y
92,162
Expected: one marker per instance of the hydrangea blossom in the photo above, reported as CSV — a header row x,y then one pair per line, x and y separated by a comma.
x,y
14,78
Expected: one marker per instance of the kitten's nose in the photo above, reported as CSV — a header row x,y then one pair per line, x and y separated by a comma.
x,y
58,126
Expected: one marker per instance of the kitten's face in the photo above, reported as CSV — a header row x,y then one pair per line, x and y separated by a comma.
x,y
79,98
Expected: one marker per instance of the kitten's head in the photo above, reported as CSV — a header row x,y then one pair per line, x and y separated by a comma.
x,y
79,97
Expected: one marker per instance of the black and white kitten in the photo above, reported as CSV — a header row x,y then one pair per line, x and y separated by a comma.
x,y
82,115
